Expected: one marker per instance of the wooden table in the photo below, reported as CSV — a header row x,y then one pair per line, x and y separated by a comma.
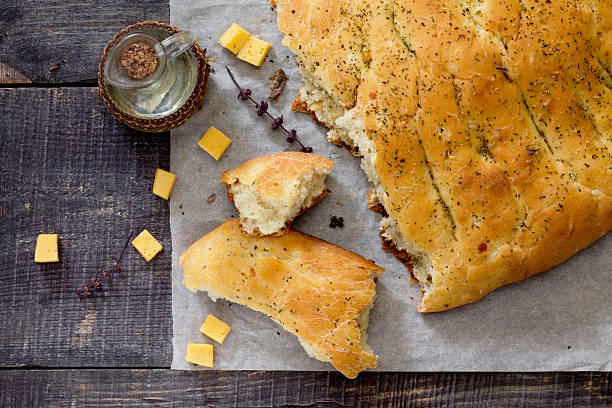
x,y
67,167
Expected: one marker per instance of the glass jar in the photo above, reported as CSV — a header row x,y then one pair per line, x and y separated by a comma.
x,y
170,93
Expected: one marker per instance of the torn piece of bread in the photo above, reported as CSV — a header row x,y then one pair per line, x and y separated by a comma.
x,y
270,191
318,291
486,136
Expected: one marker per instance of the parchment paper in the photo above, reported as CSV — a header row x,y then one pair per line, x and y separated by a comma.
x,y
559,320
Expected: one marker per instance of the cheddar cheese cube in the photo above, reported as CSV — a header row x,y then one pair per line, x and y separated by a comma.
x,y
46,249
234,38
215,329
147,245
214,142
254,51
200,354
163,184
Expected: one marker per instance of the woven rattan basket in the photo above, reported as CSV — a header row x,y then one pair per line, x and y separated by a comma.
x,y
191,106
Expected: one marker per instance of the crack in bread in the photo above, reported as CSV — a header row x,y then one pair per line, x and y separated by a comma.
x,y
483,125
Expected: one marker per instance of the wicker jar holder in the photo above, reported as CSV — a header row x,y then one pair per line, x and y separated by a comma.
x,y
176,119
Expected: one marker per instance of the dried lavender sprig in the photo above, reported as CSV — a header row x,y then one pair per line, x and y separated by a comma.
x,y
262,109
124,248
87,290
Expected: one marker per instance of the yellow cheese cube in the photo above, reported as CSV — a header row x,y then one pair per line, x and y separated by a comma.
x,y
234,38
147,245
215,329
214,142
200,354
163,184
254,51
46,249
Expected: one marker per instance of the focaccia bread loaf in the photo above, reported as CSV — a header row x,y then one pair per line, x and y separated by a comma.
x,y
318,291
485,127
271,191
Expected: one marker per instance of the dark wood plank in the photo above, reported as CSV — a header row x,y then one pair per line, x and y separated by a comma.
x,y
166,388
67,167
50,41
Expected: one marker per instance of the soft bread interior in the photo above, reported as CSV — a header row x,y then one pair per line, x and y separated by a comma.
x,y
264,215
346,127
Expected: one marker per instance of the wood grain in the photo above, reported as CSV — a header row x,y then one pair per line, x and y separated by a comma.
x,y
68,167
11,76
166,388
46,41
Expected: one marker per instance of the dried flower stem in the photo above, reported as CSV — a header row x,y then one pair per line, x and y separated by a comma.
x,y
262,109
95,284
124,248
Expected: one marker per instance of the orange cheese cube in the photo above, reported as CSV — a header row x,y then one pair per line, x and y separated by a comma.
x,y
46,249
215,329
163,184
214,142
234,38
254,51
147,245
200,354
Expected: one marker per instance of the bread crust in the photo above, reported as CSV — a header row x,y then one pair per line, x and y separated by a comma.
x,y
269,174
375,205
299,105
489,135
314,289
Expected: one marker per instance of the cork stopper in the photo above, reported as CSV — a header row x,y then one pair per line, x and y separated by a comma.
x,y
139,60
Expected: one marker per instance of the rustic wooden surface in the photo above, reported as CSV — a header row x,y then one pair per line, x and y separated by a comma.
x,y
50,41
67,167
71,169
166,388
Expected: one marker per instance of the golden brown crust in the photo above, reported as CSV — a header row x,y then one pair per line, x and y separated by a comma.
x,y
402,255
490,125
272,174
375,205
316,290
230,196
354,150
299,105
